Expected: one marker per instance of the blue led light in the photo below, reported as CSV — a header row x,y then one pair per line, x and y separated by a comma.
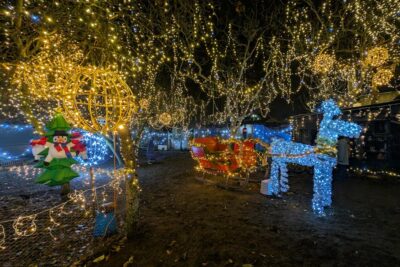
x,y
9,128
35,18
204,132
267,135
97,149
4,155
290,152
159,138
15,127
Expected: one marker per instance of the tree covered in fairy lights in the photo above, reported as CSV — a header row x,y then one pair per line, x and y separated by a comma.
x,y
221,51
50,49
344,49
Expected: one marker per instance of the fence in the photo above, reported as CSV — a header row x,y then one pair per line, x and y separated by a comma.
x,y
37,226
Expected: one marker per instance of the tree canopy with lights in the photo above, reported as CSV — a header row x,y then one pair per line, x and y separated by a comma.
x,y
341,49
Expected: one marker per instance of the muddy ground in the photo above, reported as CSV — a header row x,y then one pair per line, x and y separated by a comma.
x,y
186,222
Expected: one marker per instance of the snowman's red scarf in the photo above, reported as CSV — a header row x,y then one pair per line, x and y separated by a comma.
x,y
61,146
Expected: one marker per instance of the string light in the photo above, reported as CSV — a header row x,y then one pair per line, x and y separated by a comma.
x,y
203,132
323,63
382,77
11,128
267,135
376,56
365,171
165,118
60,63
319,37
25,225
144,104
215,155
5,127
98,150
106,105
4,155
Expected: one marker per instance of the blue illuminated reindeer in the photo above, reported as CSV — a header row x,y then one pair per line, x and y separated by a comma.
x,y
322,156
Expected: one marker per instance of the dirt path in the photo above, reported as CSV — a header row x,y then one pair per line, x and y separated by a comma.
x,y
187,223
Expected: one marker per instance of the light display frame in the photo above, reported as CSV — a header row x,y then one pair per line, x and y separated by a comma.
x,y
322,156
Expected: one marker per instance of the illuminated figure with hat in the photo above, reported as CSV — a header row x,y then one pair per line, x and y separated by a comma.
x,y
59,150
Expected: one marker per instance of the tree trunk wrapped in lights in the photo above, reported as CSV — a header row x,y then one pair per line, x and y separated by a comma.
x,y
129,151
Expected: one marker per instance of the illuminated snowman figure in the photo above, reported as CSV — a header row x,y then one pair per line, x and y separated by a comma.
x,y
322,156
62,147
58,154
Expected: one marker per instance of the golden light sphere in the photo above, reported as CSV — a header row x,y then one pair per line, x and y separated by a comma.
x,y
98,100
382,77
376,56
323,63
165,118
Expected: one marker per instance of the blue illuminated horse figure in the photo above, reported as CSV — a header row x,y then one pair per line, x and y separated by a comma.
x,y
322,156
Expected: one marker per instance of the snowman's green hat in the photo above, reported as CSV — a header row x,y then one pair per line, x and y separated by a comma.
x,y
57,125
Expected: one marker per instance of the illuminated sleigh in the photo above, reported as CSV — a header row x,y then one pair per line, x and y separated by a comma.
x,y
228,157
